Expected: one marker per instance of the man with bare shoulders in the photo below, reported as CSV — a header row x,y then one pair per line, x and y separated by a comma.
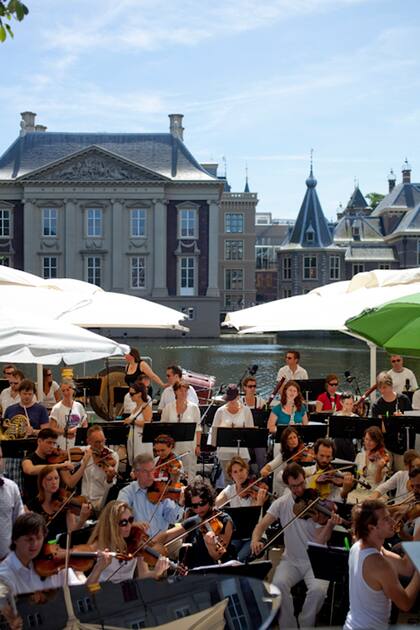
x,y
374,571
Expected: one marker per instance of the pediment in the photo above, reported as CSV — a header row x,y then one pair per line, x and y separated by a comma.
x,y
93,165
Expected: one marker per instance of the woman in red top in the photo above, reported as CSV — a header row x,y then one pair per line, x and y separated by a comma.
x,y
329,400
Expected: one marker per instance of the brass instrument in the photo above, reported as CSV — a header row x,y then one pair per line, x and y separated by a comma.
x,y
14,428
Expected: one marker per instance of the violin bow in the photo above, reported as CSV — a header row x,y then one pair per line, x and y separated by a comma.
x,y
62,506
174,459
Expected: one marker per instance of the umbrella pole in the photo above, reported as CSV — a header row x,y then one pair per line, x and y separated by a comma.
x,y
39,382
372,350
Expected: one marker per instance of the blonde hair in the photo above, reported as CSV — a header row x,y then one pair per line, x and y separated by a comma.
x,y
384,378
107,533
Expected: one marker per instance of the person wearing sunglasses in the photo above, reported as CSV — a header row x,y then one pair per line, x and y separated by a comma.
x,y
292,370
250,398
403,379
111,532
329,400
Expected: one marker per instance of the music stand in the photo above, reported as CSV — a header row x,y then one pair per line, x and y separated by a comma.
x,y
15,449
332,564
308,432
245,519
400,433
207,413
119,394
4,383
311,388
115,433
90,386
352,427
320,416
179,431
260,417
242,437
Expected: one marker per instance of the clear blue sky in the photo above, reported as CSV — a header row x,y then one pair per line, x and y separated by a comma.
x,y
259,81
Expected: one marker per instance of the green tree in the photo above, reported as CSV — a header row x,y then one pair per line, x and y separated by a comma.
x,y
374,199
13,9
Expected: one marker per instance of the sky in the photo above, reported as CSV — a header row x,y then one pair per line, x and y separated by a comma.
x,y
260,84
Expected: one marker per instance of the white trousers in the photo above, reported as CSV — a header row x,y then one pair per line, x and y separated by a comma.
x,y
289,573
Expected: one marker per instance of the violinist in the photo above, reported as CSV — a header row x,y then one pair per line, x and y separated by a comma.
x,y
100,473
167,466
407,512
210,543
329,400
399,482
295,565
291,409
67,415
139,416
374,571
159,515
112,532
322,476
373,463
50,503
290,446
10,507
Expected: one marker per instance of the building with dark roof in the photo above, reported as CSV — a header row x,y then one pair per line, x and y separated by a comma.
x,y
133,213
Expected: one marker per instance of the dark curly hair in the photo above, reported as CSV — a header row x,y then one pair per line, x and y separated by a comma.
x,y
199,489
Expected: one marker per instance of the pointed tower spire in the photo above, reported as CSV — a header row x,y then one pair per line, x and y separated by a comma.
x,y
246,189
311,181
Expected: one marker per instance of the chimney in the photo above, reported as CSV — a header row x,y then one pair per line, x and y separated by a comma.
x,y
27,124
391,180
40,128
175,126
406,172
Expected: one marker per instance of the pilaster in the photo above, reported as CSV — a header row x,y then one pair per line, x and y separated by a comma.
x,y
213,264
159,248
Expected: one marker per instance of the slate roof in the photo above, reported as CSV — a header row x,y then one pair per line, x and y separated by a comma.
x,y
159,152
409,223
310,221
370,228
365,254
402,196
357,200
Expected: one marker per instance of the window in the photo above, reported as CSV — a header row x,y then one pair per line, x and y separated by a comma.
x,y
187,223
4,222
189,312
94,222
138,272
5,261
234,279
310,235
310,270
334,267
49,221
34,620
356,232
138,222
358,268
182,612
94,269
49,267
234,302
236,612
234,250
384,266
186,275
287,268
287,293
234,222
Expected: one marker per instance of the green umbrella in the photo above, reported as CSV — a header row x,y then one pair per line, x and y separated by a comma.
x,y
394,326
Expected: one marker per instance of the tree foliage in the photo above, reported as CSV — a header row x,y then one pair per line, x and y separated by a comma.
x,y
374,199
13,9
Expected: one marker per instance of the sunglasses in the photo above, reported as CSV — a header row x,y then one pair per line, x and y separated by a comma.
x,y
200,504
395,360
251,386
126,521
333,384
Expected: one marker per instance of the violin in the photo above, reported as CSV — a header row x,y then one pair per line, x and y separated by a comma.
x,y
361,407
324,507
80,558
216,526
251,486
104,459
59,456
137,546
160,490
303,457
171,466
66,500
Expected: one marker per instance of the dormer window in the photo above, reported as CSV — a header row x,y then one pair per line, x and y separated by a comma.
x,y
356,232
310,235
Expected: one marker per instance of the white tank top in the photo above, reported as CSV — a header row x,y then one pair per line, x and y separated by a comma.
x,y
369,609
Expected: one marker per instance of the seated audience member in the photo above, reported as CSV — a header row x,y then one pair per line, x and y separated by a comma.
x,y
329,400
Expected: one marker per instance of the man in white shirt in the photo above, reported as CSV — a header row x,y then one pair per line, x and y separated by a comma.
x,y
403,379
174,375
100,474
10,507
295,565
292,370
10,395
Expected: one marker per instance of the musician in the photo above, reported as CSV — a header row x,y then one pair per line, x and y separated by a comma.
x,y
373,463
10,507
174,375
291,409
137,367
329,400
390,403
167,466
183,410
36,415
292,370
33,463
234,414
344,446
49,503
112,532
50,389
295,565
338,488
407,511
10,395
403,379
129,405
160,515
100,473
139,416
399,481
374,571
205,546
67,415
250,398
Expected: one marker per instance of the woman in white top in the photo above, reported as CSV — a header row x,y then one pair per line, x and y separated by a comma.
x,y
182,410
141,414
67,415
373,464
233,414
399,480
50,389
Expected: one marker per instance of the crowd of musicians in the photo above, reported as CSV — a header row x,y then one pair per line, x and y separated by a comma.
x,y
147,509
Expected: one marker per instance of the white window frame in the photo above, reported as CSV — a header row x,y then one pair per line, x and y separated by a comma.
x,y
5,218
49,219
140,221
335,267
188,272
306,268
234,246
187,223
49,267
93,269
228,222
94,222
137,269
